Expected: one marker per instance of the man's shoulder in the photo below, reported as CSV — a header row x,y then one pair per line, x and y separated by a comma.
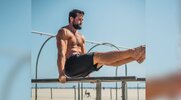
x,y
62,30
62,33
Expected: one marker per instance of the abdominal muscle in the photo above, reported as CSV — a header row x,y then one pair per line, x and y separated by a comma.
x,y
71,50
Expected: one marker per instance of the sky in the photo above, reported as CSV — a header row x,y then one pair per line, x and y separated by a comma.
x,y
127,23
15,47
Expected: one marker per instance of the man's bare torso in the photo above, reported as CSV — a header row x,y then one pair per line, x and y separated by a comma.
x,y
74,42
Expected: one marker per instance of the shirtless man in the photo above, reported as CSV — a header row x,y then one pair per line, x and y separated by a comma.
x,y
73,61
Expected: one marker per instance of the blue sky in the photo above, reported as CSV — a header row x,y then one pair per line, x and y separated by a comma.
x,y
15,42
163,36
128,23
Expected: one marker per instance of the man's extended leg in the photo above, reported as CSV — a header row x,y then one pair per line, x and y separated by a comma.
x,y
140,59
117,58
121,62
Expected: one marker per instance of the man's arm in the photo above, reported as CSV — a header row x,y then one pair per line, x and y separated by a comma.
x,y
62,48
83,46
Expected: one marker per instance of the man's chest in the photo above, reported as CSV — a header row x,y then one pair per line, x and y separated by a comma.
x,y
75,39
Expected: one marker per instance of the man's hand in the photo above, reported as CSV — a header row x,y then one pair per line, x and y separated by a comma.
x,y
62,78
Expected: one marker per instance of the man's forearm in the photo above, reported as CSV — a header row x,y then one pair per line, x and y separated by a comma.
x,y
61,64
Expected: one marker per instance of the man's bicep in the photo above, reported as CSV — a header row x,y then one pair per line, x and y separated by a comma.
x,y
83,49
61,42
83,46
61,45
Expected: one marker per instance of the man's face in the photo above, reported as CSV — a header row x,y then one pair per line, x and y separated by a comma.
x,y
77,21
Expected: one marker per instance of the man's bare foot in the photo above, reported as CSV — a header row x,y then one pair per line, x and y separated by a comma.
x,y
138,52
143,55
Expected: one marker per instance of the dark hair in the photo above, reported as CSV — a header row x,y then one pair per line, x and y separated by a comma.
x,y
73,13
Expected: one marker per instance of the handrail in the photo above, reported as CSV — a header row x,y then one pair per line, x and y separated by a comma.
x,y
90,79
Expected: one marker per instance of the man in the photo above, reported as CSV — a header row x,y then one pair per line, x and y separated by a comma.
x,y
72,58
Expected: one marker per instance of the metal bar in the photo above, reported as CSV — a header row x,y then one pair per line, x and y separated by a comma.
x,y
138,91
88,79
88,41
74,92
36,91
98,90
37,60
51,93
116,91
110,94
78,91
81,91
141,79
126,74
126,89
92,42
43,33
124,95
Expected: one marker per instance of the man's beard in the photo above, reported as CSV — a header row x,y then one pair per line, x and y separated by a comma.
x,y
77,26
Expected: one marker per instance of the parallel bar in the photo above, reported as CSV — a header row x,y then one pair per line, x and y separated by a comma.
x,y
126,90
82,91
116,91
51,93
124,95
88,79
98,90
137,91
74,92
110,94
78,90
141,79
